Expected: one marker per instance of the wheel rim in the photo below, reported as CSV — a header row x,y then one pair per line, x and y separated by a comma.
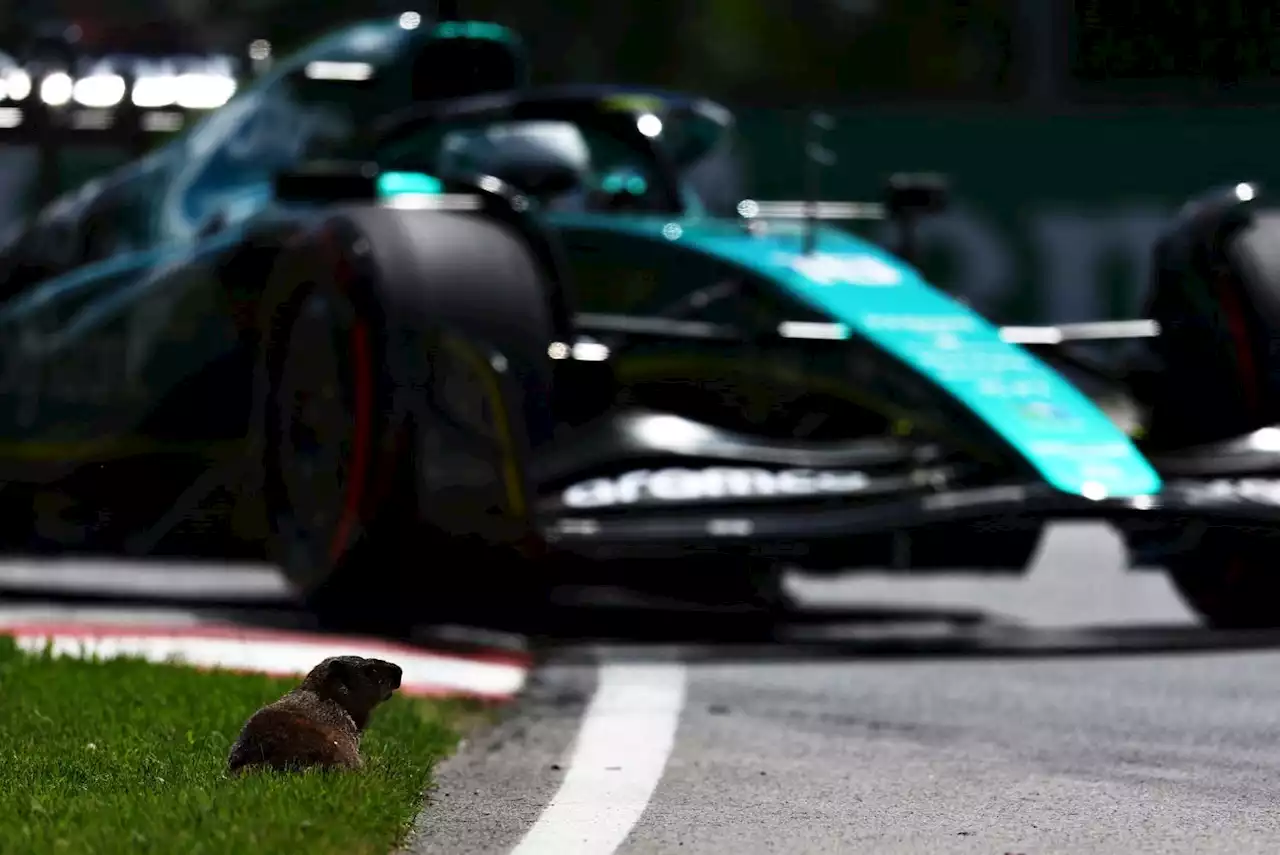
x,y
322,413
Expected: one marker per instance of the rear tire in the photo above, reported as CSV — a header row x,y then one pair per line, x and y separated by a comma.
x,y
1216,295
1229,579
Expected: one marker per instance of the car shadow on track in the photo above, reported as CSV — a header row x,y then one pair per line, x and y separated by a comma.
x,y
586,631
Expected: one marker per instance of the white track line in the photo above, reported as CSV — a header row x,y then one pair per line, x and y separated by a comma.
x,y
622,748
173,579
28,613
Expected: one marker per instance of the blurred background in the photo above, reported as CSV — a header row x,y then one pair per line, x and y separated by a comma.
x,y
1071,130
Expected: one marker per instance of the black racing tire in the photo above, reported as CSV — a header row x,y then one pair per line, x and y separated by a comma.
x,y
1229,579
343,317
1218,302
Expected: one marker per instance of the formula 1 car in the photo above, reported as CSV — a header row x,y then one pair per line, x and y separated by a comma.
x,y
435,341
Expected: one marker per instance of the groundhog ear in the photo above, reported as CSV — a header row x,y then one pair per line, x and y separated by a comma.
x,y
341,671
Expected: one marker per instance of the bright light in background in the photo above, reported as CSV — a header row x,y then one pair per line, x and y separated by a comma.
x,y
18,84
410,21
1245,192
160,90
649,125
259,50
204,91
99,90
56,89
208,84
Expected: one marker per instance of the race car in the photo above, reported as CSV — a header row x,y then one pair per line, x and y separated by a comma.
x,y
435,342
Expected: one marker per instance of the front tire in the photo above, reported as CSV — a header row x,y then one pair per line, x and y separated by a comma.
x,y
354,375
331,437
1229,579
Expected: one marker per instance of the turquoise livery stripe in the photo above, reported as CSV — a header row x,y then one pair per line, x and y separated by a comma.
x,y
1044,417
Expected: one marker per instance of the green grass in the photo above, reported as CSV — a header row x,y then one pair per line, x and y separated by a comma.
x,y
123,756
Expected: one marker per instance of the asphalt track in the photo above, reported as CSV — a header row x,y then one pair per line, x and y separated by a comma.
x,y
678,748
1160,752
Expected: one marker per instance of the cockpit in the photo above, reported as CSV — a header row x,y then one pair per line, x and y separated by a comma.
x,y
550,160
570,148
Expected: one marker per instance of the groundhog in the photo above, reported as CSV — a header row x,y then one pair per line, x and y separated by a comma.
x,y
320,722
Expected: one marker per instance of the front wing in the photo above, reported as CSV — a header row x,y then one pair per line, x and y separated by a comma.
x,y
828,536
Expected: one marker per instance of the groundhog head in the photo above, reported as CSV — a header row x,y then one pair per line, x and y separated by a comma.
x,y
358,684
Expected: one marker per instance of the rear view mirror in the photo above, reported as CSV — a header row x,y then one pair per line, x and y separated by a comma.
x,y
913,194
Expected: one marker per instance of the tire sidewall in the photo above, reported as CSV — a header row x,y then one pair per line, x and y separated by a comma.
x,y
327,257
1227,579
